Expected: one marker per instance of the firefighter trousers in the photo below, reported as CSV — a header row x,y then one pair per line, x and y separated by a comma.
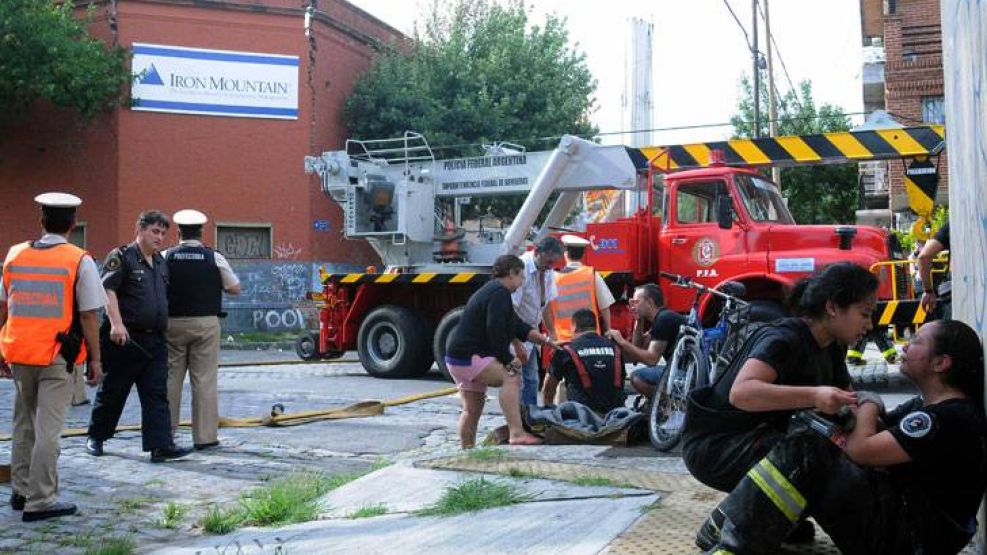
x,y
721,459
803,475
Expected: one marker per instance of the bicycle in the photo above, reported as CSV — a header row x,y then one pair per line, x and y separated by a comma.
x,y
696,359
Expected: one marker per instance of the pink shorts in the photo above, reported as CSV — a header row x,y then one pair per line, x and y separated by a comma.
x,y
465,375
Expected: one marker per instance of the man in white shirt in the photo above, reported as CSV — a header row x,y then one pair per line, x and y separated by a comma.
x,y
531,305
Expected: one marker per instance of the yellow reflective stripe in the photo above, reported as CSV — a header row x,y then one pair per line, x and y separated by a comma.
x,y
423,278
386,278
700,152
798,149
850,353
901,141
722,552
889,351
847,144
350,278
749,152
778,489
461,278
885,318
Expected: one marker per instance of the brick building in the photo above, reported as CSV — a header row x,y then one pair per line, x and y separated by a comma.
x,y
246,173
903,74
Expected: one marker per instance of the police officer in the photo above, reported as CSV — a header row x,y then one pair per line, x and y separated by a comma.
x,y
906,482
51,296
133,343
930,295
591,367
199,276
578,287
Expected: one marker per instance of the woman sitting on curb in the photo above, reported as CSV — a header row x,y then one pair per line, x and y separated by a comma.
x,y
479,352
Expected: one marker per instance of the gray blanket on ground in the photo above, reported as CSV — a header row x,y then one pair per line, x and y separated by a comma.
x,y
579,420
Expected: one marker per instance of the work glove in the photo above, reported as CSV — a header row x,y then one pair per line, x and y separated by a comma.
x,y
870,397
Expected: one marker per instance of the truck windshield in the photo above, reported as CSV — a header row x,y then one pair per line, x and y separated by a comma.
x,y
763,202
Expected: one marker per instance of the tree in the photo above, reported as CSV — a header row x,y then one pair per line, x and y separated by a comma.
x,y
480,74
816,194
46,53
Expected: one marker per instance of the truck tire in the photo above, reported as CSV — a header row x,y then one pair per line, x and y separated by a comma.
x,y
307,346
442,333
393,343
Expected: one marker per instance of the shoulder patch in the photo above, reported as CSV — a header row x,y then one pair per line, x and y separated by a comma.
x,y
113,261
916,424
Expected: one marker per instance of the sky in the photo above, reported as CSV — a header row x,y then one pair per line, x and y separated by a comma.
x,y
699,54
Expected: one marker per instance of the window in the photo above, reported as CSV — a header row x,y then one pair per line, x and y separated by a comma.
x,y
762,200
695,203
934,109
244,240
78,235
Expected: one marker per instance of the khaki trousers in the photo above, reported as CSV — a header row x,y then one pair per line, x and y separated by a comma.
x,y
41,399
193,347
79,385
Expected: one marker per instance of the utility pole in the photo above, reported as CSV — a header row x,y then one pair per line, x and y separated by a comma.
x,y
772,100
757,76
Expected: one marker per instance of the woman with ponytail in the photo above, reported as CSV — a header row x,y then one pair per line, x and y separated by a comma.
x,y
910,481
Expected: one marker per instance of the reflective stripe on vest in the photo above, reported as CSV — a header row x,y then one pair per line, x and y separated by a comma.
x,y
577,289
618,366
40,285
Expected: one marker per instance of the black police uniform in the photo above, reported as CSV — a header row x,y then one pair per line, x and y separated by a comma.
x,y
142,296
926,506
603,369
944,303
721,442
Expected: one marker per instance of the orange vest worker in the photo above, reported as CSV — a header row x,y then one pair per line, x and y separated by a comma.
x,y
577,289
40,284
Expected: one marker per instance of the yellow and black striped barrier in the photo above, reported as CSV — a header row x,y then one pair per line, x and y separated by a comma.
x,y
823,148
457,278
903,312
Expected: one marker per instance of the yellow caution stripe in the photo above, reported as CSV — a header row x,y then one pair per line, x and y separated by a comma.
x,y
899,313
455,278
823,148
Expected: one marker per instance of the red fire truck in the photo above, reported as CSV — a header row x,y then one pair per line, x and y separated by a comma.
x,y
701,210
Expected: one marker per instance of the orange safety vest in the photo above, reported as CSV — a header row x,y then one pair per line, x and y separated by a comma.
x,y
40,285
577,289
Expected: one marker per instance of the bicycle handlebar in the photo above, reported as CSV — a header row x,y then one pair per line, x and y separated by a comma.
x,y
685,281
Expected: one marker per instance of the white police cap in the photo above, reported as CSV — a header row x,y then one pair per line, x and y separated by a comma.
x,y
570,240
189,217
58,200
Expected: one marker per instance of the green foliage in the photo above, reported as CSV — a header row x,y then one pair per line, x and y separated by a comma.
x,y
595,481
486,454
475,495
816,194
477,72
220,521
113,546
45,52
172,515
369,511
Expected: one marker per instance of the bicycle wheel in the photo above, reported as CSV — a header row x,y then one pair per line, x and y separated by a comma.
x,y
668,407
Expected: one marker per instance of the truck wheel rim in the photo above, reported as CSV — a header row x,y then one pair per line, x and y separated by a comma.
x,y
382,343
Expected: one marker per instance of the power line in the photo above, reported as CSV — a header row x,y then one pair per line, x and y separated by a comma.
x,y
791,85
750,48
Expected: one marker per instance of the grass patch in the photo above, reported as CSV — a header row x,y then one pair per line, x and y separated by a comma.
x,y
220,521
651,506
261,337
475,495
113,546
368,511
171,516
135,503
285,501
518,473
81,540
595,481
379,463
487,454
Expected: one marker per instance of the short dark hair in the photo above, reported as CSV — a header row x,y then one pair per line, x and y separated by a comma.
x,y
148,218
844,283
190,231
962,344
584,320
575,253
57,219
653,292
505,265
549,245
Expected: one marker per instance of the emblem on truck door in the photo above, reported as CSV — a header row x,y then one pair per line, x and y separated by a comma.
x,y
705,252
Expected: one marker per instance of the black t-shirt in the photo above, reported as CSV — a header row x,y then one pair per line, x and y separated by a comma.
x,y
788,346
943,235
488,325
597,354
666,328
947,475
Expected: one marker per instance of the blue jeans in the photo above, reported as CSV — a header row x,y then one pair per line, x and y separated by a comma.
x,y
649,374
529,378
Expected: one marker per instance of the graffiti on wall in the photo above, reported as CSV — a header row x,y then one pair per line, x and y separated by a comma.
x,y
965,70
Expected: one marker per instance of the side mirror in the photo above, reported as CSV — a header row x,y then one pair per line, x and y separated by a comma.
x,y
724,211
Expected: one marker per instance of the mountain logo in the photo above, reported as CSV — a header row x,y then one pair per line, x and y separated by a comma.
x,y
149,76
